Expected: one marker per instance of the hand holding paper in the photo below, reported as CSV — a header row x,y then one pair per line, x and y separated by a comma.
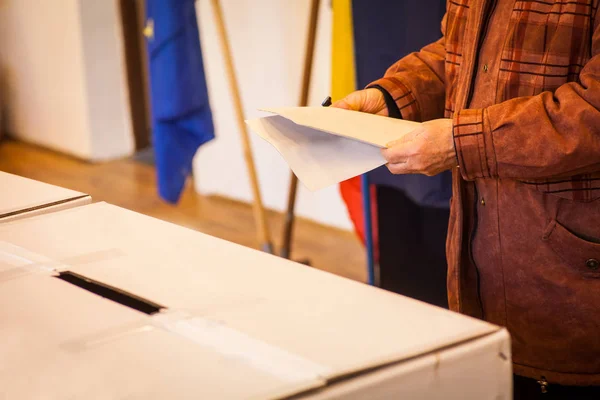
x,y
324,146
427,150
367,100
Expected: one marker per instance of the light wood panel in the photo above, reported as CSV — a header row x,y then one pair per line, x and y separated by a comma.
x,y
131,184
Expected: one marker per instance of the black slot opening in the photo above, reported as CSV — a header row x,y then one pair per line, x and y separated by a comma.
x,y
110,293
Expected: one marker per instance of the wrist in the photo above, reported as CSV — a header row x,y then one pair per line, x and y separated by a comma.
x,y
392,107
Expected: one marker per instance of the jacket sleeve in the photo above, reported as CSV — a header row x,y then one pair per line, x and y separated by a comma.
x,y
551,135
417,82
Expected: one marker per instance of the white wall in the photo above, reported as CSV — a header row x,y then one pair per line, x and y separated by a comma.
x,y
108,108
62,64
268,40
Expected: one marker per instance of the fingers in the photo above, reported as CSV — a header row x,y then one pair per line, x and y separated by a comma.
x,y
403,157
394,155
341,104
407,137
367,100
401,152
398,168
427,150
354,101
413,166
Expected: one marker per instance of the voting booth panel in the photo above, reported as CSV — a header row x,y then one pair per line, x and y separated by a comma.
x,y
22,197
186,315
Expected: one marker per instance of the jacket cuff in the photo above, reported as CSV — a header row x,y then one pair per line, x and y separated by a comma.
x,y
403,97
392,107
474,145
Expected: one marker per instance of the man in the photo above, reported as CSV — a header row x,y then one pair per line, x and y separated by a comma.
x,y
510,97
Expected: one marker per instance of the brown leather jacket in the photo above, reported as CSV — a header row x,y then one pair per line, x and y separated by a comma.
x,y
521,80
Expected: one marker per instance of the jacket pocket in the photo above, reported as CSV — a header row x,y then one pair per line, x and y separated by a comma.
x,y
579,188
583,254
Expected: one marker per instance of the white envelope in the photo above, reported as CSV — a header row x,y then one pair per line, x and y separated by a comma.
x,y
325,145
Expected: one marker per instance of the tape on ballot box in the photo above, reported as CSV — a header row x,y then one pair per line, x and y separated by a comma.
x,y
16,261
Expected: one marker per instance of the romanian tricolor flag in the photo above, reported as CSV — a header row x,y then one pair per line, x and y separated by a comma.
x,y
343,82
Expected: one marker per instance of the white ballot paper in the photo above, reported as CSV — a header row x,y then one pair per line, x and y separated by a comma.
x,y
325,145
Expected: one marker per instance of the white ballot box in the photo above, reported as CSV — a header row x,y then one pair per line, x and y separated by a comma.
x,y
98,302
21,197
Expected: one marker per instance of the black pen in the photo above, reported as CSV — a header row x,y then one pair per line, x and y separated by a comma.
x,y
326,102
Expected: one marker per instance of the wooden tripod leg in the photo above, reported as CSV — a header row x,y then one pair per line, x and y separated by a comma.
x,y
286,243
259,210
288,227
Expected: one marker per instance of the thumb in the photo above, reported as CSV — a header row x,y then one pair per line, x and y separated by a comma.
x,y
354,101
341,104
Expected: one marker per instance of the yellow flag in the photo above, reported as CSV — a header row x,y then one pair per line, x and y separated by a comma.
x,y
343,74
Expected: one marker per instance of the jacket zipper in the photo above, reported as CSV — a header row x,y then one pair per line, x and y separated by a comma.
x,y
489,10
471,239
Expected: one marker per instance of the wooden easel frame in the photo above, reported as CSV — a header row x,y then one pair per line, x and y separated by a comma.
x,y
288,228
259,210
260,216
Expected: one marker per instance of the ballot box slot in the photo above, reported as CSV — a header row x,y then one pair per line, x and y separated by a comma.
x,y
110,293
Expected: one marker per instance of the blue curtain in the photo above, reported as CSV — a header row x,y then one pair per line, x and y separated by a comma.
x,y
384,32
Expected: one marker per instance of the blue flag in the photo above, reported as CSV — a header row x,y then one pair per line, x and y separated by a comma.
x,y
181,116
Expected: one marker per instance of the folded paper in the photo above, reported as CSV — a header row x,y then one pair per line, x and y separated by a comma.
x,y
324,146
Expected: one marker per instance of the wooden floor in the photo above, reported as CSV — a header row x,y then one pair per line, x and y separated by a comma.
x,y
131,184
